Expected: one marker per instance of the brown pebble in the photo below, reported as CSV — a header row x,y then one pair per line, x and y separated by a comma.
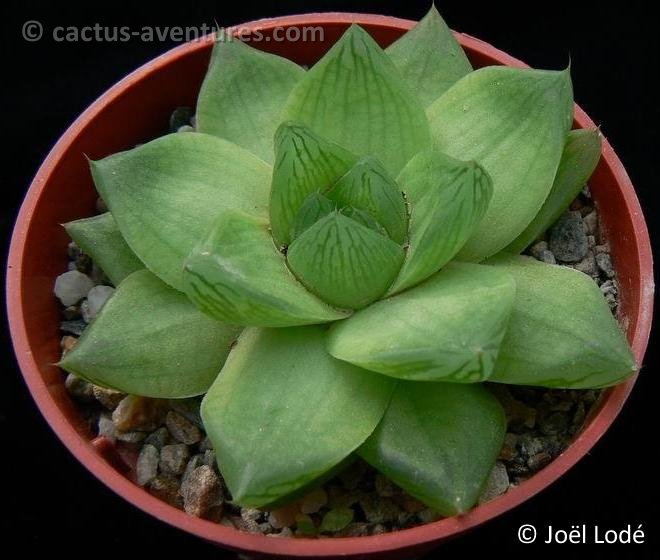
x,y
284,516
539,460
182,429
201,492
67,343
109,398
314,501
174,458
139,413
166,487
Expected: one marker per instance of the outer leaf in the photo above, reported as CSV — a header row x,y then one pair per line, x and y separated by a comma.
x,y
439,442
283,412
344,262
238,276
166,194
100,238
243,94
355,96
150,340
447,329
304,164
429,57
514,123
368,187
448,199
580,157
561,332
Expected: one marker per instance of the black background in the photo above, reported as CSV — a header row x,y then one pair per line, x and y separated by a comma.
x,y
48,500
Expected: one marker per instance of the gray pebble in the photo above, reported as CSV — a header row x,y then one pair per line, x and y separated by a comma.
x,y
73,250
591,223
587,265
78,388
194,462
547,257
72,286
209,458
188,408
568,240
130,437
158,438
535,250
106,427
497,483
97,298
201,491
604,262
147,464
76,327
182,429
173,458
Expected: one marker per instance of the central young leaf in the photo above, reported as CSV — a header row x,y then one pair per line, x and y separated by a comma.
x,y
357,97
343,262
305,163
368,187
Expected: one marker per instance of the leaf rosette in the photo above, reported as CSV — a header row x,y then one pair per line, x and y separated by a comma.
x,y
331,258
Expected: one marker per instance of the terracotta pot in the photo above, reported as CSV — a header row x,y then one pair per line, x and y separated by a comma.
x,y
136,109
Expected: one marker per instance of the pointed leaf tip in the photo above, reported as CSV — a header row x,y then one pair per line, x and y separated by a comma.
x,y
343,262
355,96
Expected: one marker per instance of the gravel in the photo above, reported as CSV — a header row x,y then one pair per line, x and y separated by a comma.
x,y
176,461
568,239
72,286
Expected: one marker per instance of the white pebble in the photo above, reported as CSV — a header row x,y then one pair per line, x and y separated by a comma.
x,y
97,298
72,286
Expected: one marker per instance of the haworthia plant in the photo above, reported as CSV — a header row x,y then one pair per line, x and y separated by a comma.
x,y
368,331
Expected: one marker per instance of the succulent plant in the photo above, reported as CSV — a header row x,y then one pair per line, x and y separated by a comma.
x,y
332,258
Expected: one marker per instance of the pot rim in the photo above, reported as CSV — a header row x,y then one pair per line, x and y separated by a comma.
x,y
87,453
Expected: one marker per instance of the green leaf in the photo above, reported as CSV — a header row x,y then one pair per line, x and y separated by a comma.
x,y
429,57
165,195
243,94
100,238
355,96
363,218
238,276
315,207
305,163
283,412
343,262
447,329
150,340
448,198
514,123
336,519
439,442
368,187
561,332
580,157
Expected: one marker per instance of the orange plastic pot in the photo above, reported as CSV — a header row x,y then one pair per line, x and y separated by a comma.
x,y
134,110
